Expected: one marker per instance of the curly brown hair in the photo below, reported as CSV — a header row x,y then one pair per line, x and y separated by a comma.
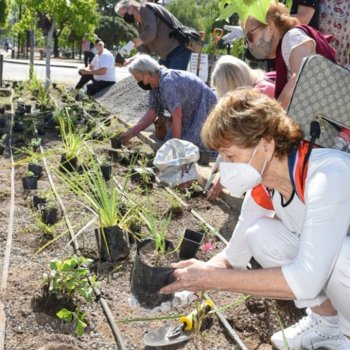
x,y
245,116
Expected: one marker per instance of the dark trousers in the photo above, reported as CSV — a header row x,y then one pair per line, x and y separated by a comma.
x,y
88,57
96,85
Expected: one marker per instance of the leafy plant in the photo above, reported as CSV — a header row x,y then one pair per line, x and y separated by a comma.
x,y
71,279
72,143
28,174
101,198
77,317
46,230
157,225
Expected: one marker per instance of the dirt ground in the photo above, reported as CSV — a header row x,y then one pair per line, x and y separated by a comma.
x,y
31,323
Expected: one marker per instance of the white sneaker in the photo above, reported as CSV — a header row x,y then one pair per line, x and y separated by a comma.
x,y
345,344
311,332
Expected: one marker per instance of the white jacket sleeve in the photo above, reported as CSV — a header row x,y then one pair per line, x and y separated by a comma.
x,y
326,223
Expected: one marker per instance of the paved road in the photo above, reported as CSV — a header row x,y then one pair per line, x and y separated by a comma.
x,y
69,76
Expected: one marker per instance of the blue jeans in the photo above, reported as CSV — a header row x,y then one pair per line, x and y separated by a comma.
x,y
177,59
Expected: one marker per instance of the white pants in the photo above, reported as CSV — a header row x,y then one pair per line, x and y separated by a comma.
x,y
273,245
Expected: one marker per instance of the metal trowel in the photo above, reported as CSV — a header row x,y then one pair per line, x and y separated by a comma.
x,y
169,335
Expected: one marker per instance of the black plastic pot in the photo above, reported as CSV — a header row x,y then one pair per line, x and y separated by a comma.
x,y
38,200
28,108
204,157
36,169
190,244
48,215
41,131
111,244
68,165
54,85
146,280
2,122
116,143
30,182
106,171
18,127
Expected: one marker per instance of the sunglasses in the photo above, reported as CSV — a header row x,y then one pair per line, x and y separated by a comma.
x,y
249,35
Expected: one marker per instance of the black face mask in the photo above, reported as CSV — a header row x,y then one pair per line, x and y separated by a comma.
x,y
144,86
129,18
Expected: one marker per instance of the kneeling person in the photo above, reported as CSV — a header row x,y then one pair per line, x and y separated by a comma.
x,y
101,71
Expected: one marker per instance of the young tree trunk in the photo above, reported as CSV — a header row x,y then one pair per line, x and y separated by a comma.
x,y
55,44
31,56
48,54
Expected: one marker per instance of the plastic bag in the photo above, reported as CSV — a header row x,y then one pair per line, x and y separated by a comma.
x,y
175,161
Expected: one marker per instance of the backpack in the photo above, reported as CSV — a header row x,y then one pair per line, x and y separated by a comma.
x,y
186,36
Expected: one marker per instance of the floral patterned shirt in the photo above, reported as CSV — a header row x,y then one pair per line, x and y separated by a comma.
x,y
335,20
185,90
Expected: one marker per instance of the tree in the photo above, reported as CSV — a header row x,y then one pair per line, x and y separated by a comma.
x,y
4,11
187,12
82,15
112,32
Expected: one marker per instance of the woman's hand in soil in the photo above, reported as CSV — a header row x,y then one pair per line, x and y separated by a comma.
x,y
126,136
192,275
214,192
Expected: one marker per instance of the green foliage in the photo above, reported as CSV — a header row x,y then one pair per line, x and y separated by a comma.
x,y
46,230
157,226
187,12
72,143
77,317
245,8
70,279
114,30
4,11
101,198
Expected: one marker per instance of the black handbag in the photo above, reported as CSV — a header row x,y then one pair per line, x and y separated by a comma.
x,y
186,36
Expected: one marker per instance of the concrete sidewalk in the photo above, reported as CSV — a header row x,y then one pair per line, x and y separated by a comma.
x,y
55,62
60,63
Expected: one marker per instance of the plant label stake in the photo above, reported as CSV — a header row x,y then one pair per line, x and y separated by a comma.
x,y
168,335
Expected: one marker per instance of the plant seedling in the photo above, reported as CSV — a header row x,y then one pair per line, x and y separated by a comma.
x,y
70,279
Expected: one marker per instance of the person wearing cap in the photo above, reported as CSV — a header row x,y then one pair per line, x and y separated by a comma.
x,y
101,71
155,36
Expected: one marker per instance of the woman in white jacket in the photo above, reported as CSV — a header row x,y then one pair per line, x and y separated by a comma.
x,y
294,221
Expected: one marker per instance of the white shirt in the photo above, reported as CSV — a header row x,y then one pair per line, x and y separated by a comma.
x,y
290,41
321,223
105,60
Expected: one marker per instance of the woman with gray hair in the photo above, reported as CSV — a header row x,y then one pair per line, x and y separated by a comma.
x,y
182,93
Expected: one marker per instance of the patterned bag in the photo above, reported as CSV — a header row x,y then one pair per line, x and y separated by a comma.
x,y
322,93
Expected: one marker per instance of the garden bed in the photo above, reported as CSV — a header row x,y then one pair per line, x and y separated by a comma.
x,y
30,315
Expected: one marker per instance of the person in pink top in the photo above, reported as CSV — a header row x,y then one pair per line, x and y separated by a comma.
x,y
229,74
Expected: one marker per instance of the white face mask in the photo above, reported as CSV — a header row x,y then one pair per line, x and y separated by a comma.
x,y
239,178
